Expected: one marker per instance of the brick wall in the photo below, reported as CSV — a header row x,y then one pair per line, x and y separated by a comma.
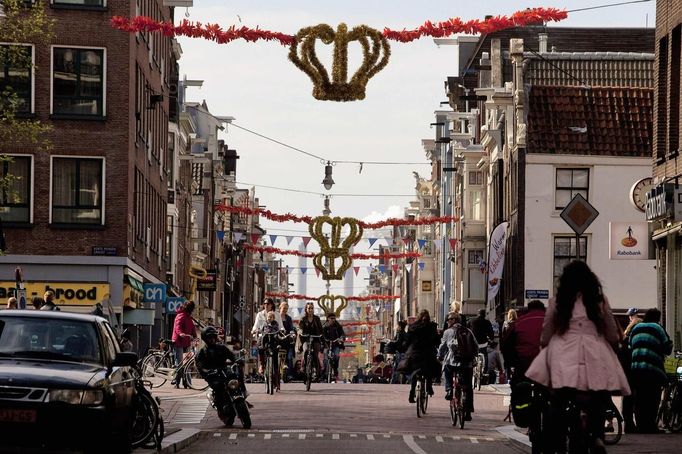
x,y
112,137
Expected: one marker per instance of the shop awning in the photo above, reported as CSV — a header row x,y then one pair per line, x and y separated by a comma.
x,y
134,283
139,317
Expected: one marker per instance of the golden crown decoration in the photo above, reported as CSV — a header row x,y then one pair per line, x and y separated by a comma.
x,y
375,49
332,248
328,305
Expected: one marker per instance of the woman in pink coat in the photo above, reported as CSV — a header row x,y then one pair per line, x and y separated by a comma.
x,y
183,333
578,361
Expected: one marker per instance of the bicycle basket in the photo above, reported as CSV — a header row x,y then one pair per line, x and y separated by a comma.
x,y
670,364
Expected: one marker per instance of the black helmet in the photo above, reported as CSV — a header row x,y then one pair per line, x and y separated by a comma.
x,y
207,332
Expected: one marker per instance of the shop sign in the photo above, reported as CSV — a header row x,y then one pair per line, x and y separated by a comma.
x,y
173,304
659,202
154,293
208,283
426,286
65,293
628,240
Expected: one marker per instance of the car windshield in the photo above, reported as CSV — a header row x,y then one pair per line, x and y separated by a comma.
x,y
49,338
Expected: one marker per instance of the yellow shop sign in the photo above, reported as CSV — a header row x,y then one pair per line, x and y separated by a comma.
x,y
65,293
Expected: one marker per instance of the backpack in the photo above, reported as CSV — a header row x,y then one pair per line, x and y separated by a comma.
x,y
462,346
522,407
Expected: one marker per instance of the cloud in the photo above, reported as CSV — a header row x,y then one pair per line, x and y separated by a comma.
x,y
393,211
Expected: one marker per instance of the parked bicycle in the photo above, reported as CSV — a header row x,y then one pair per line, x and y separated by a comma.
x,y
148,427
309,365
670,410
420,394
157,369
457,409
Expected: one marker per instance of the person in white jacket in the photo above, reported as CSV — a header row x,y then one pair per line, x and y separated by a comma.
x,y
259,324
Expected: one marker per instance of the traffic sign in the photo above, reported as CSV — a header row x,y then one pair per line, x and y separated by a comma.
x,y
579,214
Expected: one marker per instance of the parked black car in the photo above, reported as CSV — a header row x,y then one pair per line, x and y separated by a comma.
x,y
64,384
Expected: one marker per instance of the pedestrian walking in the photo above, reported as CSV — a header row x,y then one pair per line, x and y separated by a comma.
x,y
521,343
628,402
49,304
649,344
126,343
12,303
399,345
578,361
183,334
37,302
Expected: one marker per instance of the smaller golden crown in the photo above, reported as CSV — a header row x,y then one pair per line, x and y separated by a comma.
x,y
328,305
374,45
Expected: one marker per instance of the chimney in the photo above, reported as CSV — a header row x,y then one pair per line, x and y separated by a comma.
x,y
542,43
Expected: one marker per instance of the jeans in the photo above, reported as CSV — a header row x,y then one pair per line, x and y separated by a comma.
x,y
290,361
467,375
178,353
316,355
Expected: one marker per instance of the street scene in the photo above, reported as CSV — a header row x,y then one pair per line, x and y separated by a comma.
x,y
411,227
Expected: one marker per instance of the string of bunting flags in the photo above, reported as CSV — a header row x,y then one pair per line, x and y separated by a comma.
x,y
356,269
296,296
272,239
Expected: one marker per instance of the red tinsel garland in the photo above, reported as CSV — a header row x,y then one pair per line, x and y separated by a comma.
x,y
348,298
307,219
214,32
274,250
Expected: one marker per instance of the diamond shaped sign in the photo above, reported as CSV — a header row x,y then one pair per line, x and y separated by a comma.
x,y
579,214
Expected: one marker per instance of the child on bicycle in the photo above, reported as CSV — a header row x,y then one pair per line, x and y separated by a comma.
x,y
457,351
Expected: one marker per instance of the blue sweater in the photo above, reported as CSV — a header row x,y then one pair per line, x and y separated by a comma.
x,y
649,344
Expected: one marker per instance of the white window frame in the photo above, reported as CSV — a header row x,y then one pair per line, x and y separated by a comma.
x,y
103,5
104,73
104,184
572,168
33,181
33,72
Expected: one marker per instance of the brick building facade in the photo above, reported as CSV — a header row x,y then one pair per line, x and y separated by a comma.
x,y
92,209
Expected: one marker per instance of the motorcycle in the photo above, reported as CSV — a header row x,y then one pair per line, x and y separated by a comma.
x,y
234,403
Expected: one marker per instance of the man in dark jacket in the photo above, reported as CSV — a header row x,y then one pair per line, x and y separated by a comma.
x,y
422,341
521,343
483,330
399,347
649,344
334,338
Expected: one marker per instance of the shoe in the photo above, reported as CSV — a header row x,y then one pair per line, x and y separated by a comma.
x,y
448,395
429,390
467,417
410,399
248,404
173,382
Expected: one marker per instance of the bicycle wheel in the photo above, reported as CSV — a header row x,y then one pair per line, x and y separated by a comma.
x,y
425,399
146,419
269,385
460,406
150,364
613,428
418,394
193,377
454,414
676,410
308,372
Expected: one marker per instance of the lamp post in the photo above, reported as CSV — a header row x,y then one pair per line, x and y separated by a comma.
x,y
328,182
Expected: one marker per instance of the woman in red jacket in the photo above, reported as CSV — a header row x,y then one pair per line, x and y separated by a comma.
x,y
183,333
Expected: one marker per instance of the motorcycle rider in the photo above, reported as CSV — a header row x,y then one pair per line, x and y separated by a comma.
x,y
212,357
333,331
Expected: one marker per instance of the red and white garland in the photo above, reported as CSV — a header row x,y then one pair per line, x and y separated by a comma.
x,y
296,296
288,217
274,250
215,32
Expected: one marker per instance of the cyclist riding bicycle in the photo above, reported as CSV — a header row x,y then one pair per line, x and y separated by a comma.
x,y
457,351
214,357
309,325
334,337
422,340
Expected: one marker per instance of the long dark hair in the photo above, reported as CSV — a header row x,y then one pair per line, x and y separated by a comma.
x,y
577,278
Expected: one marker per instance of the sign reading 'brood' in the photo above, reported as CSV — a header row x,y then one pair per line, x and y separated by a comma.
x,y
65,293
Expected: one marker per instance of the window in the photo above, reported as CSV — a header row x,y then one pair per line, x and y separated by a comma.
x,y
570,182
475,256
475,204
78,81
79,2
564,253
77,190
15,188
170,159
16,75
169,239
476,178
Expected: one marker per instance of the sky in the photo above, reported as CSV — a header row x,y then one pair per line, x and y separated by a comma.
x,y
266,93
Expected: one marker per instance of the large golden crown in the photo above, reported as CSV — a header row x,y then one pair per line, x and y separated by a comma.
x,y
374,46
332,248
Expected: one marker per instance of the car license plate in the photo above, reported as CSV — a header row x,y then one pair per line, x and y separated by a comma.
x,y
14,415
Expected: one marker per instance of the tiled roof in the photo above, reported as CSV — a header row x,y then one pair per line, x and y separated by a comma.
x,y
607,121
